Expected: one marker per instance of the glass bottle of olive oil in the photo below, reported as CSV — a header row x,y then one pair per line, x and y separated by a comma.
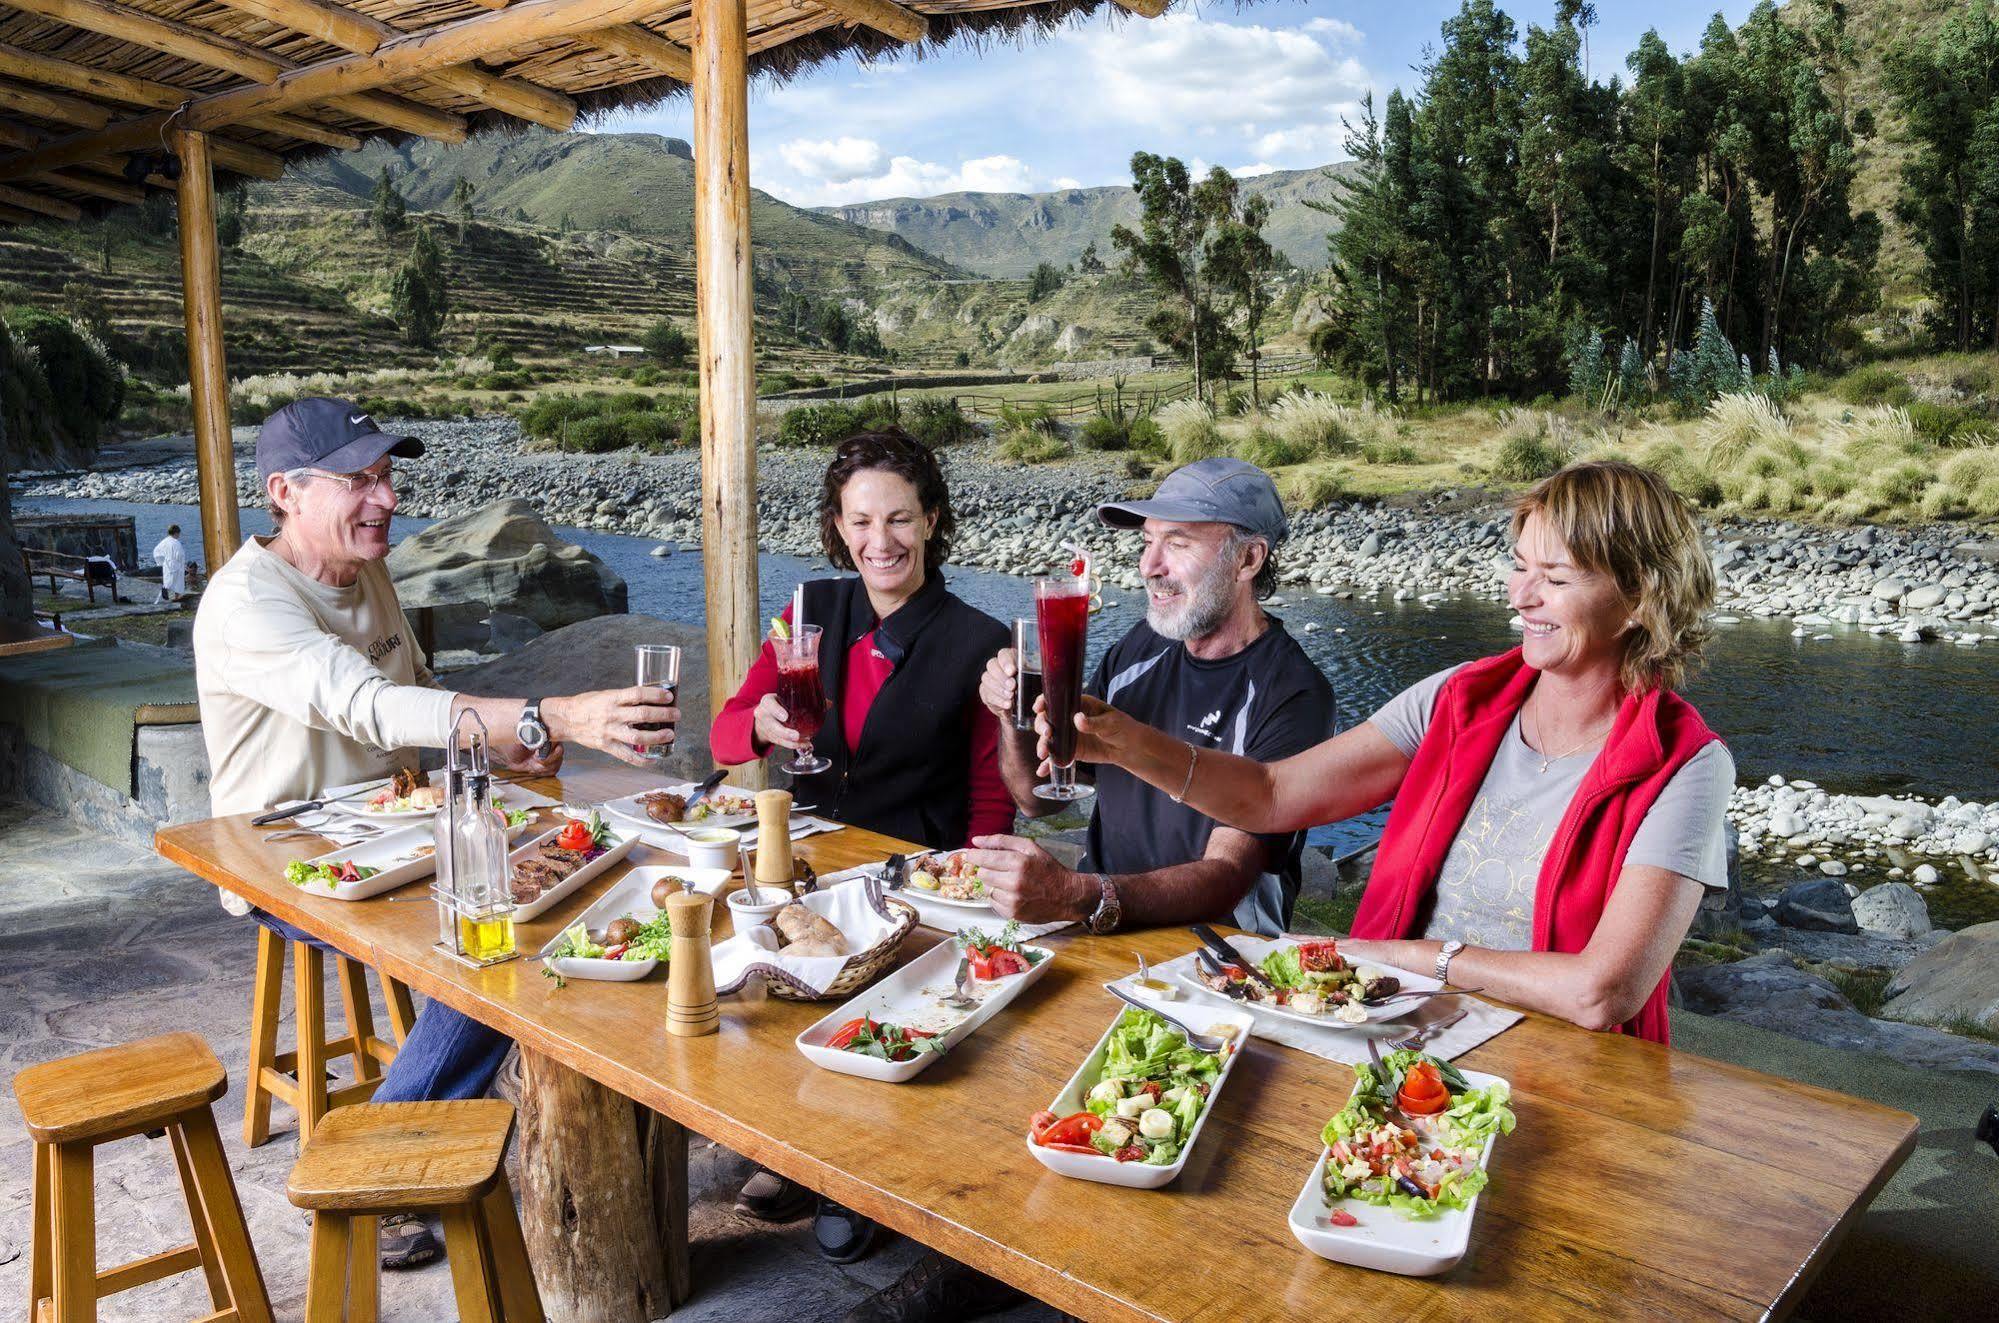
x,y
485,901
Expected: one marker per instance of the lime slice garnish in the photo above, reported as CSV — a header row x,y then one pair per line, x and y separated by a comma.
x,y
778,629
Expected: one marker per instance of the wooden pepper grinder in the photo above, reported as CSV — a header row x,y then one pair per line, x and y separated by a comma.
x,y
774,865
690,981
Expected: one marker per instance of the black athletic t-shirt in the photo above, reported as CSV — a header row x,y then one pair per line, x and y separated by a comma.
x,y
1266,702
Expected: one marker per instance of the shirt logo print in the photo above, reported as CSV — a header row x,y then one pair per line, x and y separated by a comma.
x,y
1206,725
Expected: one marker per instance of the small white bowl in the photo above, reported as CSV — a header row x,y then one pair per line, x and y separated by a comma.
x,y
712,847
747,916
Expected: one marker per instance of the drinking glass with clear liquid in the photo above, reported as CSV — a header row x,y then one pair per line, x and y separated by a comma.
x,y
659,668
1027,671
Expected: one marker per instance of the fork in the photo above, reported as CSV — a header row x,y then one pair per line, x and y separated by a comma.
x,y
959,1000
1423,1035
1199,1042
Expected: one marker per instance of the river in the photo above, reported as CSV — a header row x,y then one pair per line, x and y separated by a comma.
x,y
1856,713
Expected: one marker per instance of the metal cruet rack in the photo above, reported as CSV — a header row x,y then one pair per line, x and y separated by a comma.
x,y
459,895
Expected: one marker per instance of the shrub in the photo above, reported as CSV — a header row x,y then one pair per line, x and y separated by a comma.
x,y
1949,425
665,343
1267,450
547,415
649,431
85,386
816,425
874,412
938,422
1736,423
1028,417
1145,434
1190,431
646,376
1874,384
1311,488
1326,426
1966,485
1029,446
1233,404
592,436
1390,452
504,381
1102,432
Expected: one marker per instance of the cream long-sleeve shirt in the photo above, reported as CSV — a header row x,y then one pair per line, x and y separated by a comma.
x,y
305,686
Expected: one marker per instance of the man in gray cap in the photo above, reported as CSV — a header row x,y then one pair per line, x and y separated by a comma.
x,y
310,679
1207,663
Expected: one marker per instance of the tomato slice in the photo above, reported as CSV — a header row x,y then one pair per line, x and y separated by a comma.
x,y
982,963
1038,1125
1004,963
1073,1130
1340,1217
847,1033
1072,1148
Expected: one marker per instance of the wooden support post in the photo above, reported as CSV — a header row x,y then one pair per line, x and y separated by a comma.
x,y
207,369
728,360
598,1248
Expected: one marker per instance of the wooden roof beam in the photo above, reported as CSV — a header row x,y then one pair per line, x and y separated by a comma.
x,y
47,206
199,46
362,34
884,16
53,106
646,47
414,55
35,67
1144,8
17,135
95,185
15,216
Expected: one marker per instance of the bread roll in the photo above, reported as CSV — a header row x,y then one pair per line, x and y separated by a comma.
x,y
799,926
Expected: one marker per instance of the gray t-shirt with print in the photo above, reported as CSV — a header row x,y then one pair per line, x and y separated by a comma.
x,y
1485,894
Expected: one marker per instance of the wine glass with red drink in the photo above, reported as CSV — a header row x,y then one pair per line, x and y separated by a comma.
x,y
1062,614
799,691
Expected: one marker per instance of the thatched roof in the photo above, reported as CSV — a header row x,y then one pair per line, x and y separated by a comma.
x,y
80,75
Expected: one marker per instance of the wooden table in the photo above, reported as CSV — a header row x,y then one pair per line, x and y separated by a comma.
x,y
1640,1182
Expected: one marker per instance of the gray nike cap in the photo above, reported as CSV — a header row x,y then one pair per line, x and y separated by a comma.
x,y
322,433
1221,491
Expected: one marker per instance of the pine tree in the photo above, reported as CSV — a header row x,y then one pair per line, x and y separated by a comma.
x,y
461,202
389,212
420,295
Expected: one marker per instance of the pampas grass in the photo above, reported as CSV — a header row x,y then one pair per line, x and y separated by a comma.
x,y
1190,431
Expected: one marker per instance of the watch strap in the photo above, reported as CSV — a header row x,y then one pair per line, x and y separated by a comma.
x,y
1442,970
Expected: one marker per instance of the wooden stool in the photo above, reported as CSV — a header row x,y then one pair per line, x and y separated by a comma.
x,y
447,1157
73,1105
299,1076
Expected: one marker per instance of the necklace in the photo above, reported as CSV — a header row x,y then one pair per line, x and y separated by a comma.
x,y
1549,760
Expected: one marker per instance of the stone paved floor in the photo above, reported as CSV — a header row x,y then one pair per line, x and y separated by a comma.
x,y
100,943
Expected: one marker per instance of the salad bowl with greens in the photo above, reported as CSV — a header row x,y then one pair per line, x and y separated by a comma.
x,y
1403,1165
1135,1110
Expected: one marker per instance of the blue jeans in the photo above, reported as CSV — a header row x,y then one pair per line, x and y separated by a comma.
x,y
447,1055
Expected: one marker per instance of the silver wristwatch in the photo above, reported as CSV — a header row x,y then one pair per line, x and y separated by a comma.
x,y
1110,910
1442,971
531,730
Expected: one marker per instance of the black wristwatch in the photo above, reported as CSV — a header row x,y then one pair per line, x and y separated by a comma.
x,y
1109,913
531,730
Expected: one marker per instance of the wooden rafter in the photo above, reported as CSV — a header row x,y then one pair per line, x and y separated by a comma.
x,y
1144,8
47,206
884,16
54,106
95,185
361,34
15,216
35,67
646,47
211,50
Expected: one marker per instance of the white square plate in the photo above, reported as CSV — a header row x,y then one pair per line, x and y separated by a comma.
x,y
1186,970
1383,1238
1137,1175
621,845
910,997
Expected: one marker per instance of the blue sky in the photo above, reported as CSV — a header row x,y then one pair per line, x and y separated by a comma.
x,y
1257,89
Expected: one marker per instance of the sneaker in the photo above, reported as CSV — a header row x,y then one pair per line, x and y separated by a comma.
x,y
769,1197
407,1242
936,1290
844,1236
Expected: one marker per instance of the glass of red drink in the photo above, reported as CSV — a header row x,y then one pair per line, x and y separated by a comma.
x,y
1062,613
798,689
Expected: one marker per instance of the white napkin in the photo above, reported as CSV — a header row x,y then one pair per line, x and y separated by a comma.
x,y
800,828
846,908
933,913
1344,1043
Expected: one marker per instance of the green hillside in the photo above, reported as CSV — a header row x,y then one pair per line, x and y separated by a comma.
x,y
1007,234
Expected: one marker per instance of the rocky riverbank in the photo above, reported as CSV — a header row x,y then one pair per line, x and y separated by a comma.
x,y
1921,584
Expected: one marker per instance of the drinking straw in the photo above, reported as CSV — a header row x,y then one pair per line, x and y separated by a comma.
x,y
798,610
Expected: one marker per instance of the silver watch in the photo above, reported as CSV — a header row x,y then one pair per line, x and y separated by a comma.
x,y
1109,913
1442,971
531,730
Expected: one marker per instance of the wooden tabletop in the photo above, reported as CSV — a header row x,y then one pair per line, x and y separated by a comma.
x,y
1640,1182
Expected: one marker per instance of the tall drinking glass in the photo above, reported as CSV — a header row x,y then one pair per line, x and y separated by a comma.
x,y
1027,670
799,690
659,668
1062,612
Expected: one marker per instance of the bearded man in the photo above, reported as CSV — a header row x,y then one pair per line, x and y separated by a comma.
x,y
1211,666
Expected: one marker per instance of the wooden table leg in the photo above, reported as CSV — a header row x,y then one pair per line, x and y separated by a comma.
x,y
265,1007
592,1227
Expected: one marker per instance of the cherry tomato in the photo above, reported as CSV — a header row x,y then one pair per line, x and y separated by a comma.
x,y
1342,1218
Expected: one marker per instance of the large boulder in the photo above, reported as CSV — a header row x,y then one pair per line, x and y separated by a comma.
x,y
1957,979
500,556
1893,909
597,654
1821,904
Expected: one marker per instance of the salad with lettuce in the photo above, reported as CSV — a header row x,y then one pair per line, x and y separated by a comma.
x,y
1146,1099
1412,1135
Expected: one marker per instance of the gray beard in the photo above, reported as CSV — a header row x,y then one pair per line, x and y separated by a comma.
x,y
1208,605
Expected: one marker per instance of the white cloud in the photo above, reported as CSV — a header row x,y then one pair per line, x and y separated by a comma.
x,y
1314,143
830,172
996,174
1252,171
833,160
1064,181
1338,29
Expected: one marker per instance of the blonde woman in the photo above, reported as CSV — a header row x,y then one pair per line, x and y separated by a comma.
x,y
1559,809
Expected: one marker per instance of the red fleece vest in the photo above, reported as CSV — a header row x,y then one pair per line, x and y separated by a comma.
x,y
1653,737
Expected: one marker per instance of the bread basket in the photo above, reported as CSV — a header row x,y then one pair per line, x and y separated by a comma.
x,y
862,968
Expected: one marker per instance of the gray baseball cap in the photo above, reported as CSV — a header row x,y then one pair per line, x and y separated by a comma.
x,y
1221,491
322,433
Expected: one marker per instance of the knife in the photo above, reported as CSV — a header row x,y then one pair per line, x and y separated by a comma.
x,y
311,805
1229,955
701,791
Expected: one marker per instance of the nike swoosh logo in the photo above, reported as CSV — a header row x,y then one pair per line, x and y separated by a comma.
x,y
358,419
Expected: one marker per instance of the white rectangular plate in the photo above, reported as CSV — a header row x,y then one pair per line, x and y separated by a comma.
x,y
948,915
630,894
383,852
910,997
505,796
1136,1175
1185,970
1383,1238
621,845
627,807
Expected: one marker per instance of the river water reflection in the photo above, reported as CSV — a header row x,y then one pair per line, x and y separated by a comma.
x,y
1855,713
